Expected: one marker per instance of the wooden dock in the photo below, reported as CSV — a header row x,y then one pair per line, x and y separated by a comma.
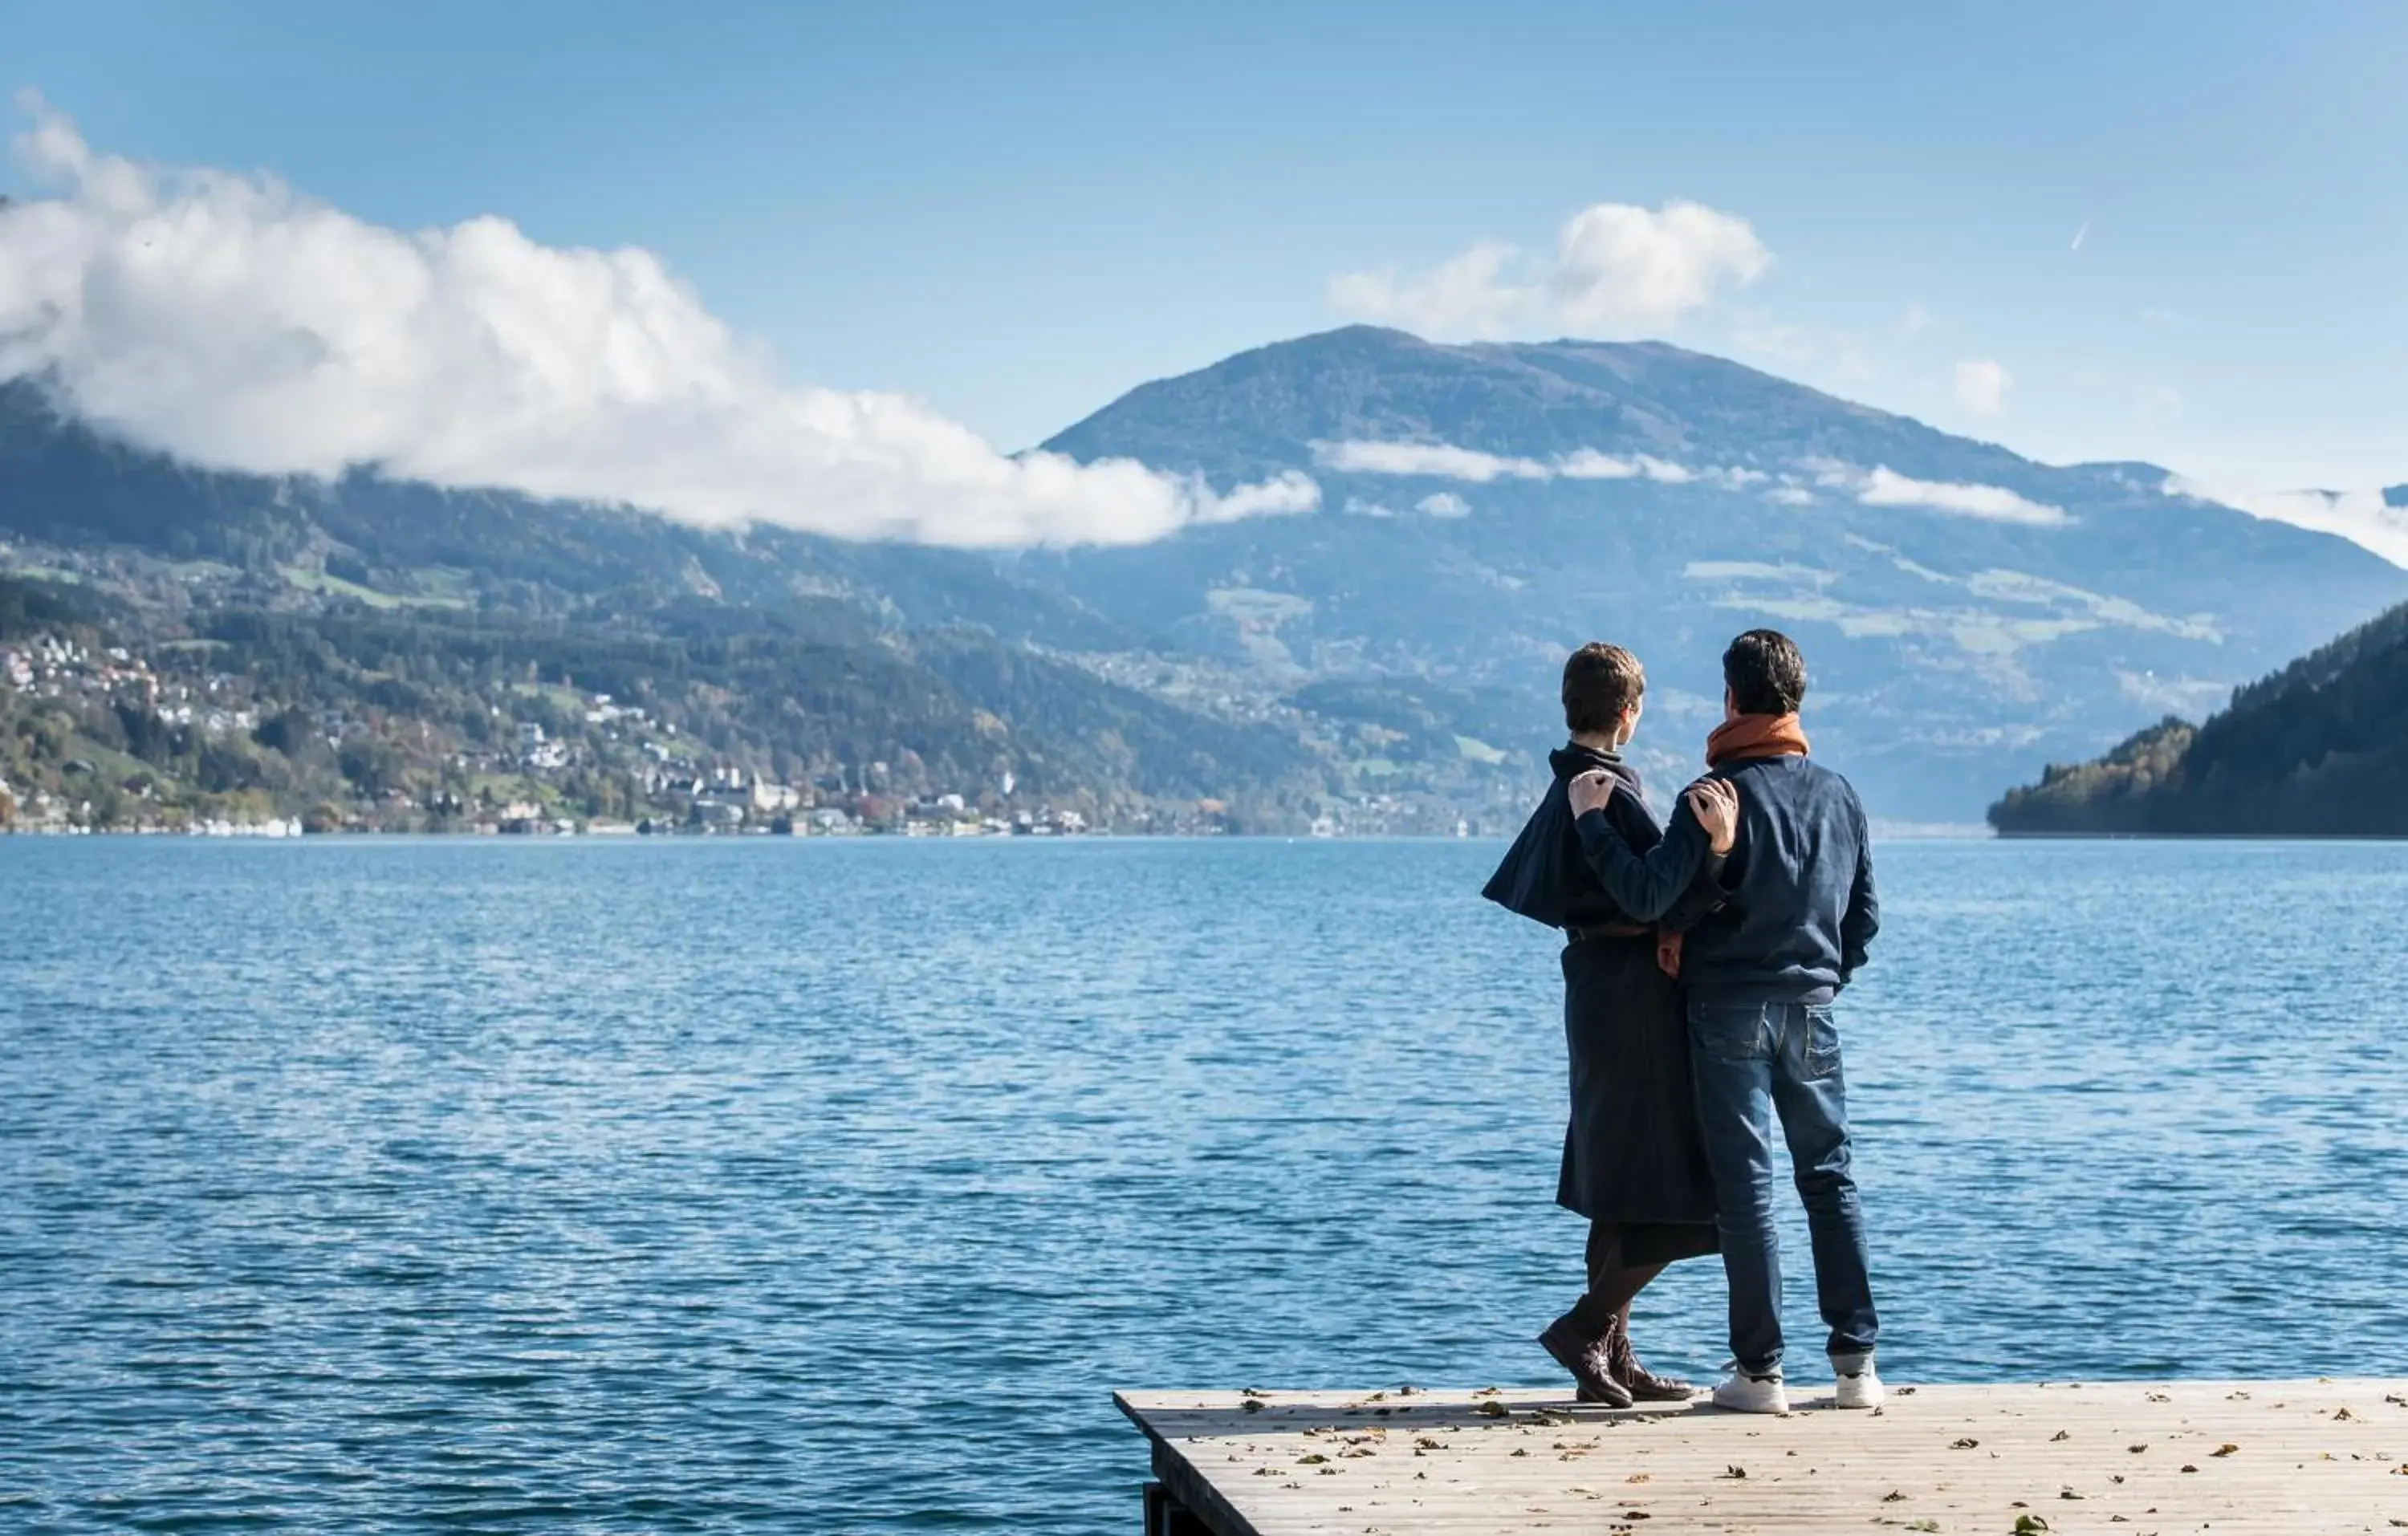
x,y
2136,1458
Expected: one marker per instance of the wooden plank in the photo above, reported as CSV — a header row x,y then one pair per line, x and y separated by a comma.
x,y
2137,1459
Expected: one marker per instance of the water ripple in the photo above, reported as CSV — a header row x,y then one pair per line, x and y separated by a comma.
x,y
769,1185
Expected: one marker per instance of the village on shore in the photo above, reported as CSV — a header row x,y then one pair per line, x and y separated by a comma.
x,y
570,764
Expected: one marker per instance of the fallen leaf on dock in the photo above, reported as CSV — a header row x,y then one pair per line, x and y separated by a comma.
x,y
2224,1449
1734,1472
1639,1477
1968,1442
1923,1524
2059,1435
2138,1449
2188,1468
2028,1524
2343,1414
1893,1497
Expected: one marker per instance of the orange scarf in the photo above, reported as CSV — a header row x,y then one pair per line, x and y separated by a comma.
x,y
1756,735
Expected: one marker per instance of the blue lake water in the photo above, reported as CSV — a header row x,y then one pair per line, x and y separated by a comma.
x,y
381,1185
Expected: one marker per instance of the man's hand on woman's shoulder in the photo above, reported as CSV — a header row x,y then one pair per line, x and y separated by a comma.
x,y
1590,791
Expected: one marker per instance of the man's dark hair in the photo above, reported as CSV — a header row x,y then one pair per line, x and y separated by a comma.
x,y
1765,673
1601,682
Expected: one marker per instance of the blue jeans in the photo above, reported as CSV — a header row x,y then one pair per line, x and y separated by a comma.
x,y
1751,1060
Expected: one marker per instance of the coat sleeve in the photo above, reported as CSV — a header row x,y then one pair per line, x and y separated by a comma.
x,y
1863,920
1705,893
1645,887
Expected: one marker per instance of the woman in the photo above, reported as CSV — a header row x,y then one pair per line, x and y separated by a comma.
x,y
1634,1163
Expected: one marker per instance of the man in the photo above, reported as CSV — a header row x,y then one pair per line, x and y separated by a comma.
x,y
1763,972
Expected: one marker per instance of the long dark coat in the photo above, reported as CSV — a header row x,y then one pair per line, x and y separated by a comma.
x,y
1632,1152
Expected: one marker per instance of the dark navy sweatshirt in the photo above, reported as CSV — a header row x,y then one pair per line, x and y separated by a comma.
x,y
1799,909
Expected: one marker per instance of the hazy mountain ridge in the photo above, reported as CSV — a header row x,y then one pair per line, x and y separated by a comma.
x,y
1970,614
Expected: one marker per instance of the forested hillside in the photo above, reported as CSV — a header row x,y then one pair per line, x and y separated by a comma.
x,y
2318,748
182,645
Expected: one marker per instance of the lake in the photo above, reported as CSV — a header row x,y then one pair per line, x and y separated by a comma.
x,y
830,1186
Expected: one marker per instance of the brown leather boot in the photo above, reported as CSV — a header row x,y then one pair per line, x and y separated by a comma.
x,y
1587,1360
1637,1382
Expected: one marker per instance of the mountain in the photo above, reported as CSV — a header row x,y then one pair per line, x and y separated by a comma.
x,y
227,645
2318,748
1966,613
1387,662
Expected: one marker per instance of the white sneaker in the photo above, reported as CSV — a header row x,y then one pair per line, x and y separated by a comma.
x,y
1743,1393
1859,1385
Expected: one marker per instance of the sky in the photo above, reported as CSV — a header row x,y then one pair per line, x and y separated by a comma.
x,y
2133,231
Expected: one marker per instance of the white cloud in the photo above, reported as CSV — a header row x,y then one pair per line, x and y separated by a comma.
x,y
1444,504
1588,463
1885,487
2365,517
1981,387
1466,295
1437,460
1445,461
237,324
1617,268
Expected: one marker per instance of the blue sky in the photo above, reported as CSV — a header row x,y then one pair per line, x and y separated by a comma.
x,y
1016,212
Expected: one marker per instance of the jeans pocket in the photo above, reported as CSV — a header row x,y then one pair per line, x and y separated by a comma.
x,y
1730,1034
1822,1044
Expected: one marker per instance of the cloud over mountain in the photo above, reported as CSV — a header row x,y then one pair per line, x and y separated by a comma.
x,y
2371,519
1617,268
1445,461
237,324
